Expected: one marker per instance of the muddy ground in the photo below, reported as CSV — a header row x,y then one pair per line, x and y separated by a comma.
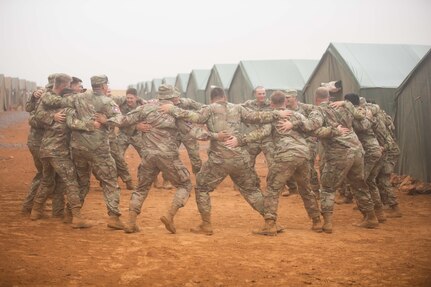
x,y
50,253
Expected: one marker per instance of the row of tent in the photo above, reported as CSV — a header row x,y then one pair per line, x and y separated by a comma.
x,y
14,92
397,77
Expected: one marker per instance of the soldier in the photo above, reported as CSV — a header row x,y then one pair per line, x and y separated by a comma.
x,y
55,157
343,156
159,153
90,150
260,103
289,154
223,120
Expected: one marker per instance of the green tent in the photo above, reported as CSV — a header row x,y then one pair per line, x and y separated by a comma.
x,y
15,96
8,96
413,121
221,76
155,83
147,90
181,82
2,93
196,86
374,71
271,74
169,81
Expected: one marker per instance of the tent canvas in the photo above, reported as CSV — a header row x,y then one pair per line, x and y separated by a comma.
x,y
2,93
181,82
169,81
271,74
373,71
197,83
155,84
413,120
221,76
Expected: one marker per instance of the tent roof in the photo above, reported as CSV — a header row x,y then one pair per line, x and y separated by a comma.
x,y
201,77
279,74
379,65
169,80
225,71
184,79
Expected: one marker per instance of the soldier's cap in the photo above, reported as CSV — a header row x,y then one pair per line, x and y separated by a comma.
x,y
76,80
291,93
51,79
99,80
362,101
166,92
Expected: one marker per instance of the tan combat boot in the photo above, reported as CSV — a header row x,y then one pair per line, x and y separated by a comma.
x,y
36,211
269,228
327,222
369,221
156,183
129,185
205,227
131,226
168,220
394,212
380,214
114,222
68,217
78,221
317,224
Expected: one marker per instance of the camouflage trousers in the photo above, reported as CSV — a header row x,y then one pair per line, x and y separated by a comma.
x,y
120,162
65,169
102,163
338,166
174,171
56,191
215,170
381,179
279,173
254,149
124,141
192,147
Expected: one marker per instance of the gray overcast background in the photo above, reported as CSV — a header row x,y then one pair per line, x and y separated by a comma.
x,y
131,40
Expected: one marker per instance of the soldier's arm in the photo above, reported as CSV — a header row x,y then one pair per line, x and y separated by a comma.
x,y
133,117
43,117
74,123
119,100
256,135
187,103
357,112
201,116
31,103
361,125
255,117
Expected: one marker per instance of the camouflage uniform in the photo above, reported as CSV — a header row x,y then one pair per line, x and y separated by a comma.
x,y
222,160
289,153
343,155
159,153
255,148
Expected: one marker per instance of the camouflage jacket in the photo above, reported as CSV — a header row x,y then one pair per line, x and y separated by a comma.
x,y
364,131
382,128
254,105
324,122
161,140
35,134
223,116
285,146
125,109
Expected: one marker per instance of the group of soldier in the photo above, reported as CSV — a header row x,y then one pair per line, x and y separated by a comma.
x,y
75,133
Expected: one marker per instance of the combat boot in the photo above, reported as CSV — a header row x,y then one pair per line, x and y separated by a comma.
x,y
167,184
78,221
68,217
129,185
36,211
131,226
168,220
380,214
269,228
369,221
327,222
317,224
205,227
156,183
114,222
394,212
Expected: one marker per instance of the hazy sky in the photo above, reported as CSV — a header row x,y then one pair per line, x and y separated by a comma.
x,y
132,41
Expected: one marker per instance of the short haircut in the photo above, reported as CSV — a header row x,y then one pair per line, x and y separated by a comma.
x,y
217,93
321,93
353,98
258,88
76,80
278,98
61,79
132,91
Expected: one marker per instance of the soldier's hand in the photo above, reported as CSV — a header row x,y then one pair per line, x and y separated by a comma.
x,y
231,142
223,136
284,113
101,118
337,104
38,93
97,125
284,125
60,117
165,108
343,130
143,127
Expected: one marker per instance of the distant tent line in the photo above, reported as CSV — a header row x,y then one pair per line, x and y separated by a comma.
x,y
14,92
395,76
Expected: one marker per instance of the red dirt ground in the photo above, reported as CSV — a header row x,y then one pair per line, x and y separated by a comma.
x,y
50,253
